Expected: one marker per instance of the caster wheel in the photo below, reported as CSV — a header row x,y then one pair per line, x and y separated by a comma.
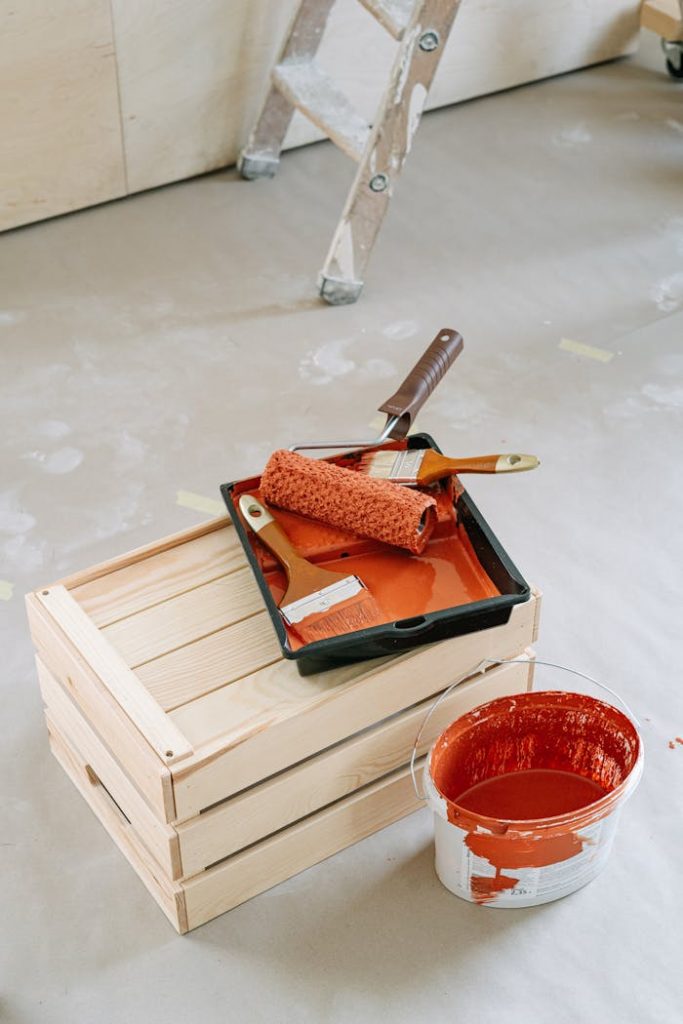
x,y
673,53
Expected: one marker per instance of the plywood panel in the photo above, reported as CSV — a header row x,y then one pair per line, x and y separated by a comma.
x,y
60,131
191,80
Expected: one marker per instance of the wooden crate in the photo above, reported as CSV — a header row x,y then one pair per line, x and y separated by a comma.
x,y
217,768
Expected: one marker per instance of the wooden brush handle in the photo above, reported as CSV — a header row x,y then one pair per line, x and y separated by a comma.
x,y
493,464
271,533
422,379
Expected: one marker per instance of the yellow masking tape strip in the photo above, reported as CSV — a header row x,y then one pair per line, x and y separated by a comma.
x,y
6,589
200,503
589,351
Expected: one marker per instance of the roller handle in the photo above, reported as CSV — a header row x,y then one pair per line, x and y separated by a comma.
x,y
421,381
272,535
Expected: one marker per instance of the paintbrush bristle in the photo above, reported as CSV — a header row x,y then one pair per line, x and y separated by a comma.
x,y
400,466
379,464
359,612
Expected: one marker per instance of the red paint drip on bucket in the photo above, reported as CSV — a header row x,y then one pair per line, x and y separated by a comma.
x,y
527,791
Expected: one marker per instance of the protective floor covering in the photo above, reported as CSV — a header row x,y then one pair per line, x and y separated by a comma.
x,y
171,341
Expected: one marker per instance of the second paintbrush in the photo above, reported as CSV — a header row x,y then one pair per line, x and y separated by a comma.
x,y
422,466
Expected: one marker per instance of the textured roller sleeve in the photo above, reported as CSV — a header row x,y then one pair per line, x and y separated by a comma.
x,y
350,501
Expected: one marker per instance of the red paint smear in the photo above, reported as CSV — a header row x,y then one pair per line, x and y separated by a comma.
x,y
485,888
679,740
524,851
553,731
672,745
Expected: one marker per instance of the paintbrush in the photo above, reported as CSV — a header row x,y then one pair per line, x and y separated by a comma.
x,y
420,466
318,603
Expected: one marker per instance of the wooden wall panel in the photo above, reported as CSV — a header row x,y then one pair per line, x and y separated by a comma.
x,y
60,131
192,75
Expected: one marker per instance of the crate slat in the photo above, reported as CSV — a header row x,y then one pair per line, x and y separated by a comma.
x,y
155,578
214,661
185,618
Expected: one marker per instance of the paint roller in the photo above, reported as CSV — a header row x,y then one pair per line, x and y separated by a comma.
x,y
348,500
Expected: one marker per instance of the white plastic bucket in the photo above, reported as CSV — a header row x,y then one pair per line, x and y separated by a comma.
x,y
524,861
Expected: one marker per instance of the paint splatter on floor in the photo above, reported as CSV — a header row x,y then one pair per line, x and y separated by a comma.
x,y
577,135
667,294
324,364
400,330
64,460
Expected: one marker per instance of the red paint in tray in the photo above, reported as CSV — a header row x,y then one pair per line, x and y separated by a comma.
x,y
447,574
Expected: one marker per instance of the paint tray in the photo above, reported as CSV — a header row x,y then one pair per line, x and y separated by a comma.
x,y
463,582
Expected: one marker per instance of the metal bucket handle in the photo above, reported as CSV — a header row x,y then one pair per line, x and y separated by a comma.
x,y
506,661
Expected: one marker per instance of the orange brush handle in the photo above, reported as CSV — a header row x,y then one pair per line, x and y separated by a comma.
x,y
435,466
303,577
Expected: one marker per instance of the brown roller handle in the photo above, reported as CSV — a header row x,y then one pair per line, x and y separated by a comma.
x,y
422,379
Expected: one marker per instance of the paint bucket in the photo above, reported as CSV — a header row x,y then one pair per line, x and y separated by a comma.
x,y
564,765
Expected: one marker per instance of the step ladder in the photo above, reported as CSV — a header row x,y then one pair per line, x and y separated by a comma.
x,y
422,28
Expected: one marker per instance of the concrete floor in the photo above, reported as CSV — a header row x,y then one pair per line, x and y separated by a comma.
x,y
171,340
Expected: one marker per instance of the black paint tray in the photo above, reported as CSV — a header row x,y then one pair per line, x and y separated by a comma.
x,y
462,583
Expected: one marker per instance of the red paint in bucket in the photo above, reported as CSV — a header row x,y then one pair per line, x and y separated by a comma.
x,y
530,793
527,780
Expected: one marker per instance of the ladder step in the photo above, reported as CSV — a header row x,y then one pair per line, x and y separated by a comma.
x,y
311,91
394,15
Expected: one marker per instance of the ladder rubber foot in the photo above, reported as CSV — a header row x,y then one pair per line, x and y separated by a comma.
x,y
253,166
338,291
